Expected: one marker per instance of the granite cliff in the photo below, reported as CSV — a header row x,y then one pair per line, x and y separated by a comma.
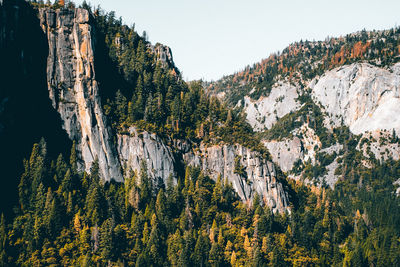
x,y
74,93
247,171
258,176
300,117
73,88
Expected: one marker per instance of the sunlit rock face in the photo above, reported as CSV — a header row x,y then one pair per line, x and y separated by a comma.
x,y
217,160
135,147
73,88
265,111
362,96
259,174
74,93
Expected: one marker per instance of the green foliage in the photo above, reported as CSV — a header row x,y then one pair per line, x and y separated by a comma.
x,y
153,96
305,60
70,218
199,222
238,167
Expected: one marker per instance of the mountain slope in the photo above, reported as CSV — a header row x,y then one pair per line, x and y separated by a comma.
x,y
138,167
299,99
122,102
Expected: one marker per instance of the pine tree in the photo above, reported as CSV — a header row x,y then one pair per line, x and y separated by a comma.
x,y
201,250
24,188
137,99
121,107
36,167
247,247
73,160
175,246
155,244
185,257
233,259
257,258
145,185
40,200
215,257
160,205
66,185
145,233
106,240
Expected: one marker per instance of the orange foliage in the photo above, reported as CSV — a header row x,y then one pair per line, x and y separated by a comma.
x,y
339,57
359,49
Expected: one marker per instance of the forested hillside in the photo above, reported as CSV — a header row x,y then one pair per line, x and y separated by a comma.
x,y
149,92
65,217
327,199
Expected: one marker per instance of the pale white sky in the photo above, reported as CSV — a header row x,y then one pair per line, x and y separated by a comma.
x,y
212,38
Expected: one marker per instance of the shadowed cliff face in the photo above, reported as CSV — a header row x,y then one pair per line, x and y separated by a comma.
x,y
74,90
26,113
54,90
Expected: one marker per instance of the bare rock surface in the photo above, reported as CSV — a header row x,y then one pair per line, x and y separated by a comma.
x,y
264,112
285,153
73,88
364,97
135,147
259,175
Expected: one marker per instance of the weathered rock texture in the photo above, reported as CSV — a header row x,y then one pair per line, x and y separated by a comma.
x,y
264,112
285,153
164,54
260,175
74,93
310,141
365,97
73,89
133,148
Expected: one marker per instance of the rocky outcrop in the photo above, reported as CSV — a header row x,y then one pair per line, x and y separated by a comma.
x,y
74,93
73,88
264,112
303,146
285,153
397,184
133,148
381,144
364,97
163,55
259,175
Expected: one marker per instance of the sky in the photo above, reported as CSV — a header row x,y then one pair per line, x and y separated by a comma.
x,y
213,38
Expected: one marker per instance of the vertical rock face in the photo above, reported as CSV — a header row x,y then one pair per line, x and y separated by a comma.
x,y
163,54
135,148
259,175
73,89
74,93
